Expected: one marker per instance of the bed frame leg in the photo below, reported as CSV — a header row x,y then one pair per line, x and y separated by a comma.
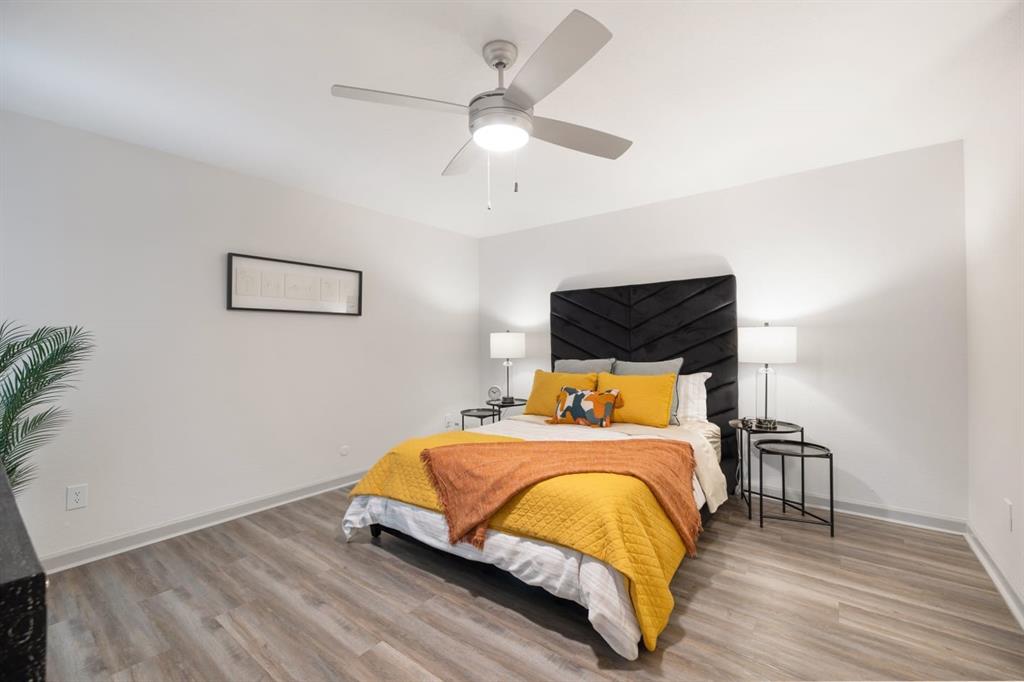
x,y
375,530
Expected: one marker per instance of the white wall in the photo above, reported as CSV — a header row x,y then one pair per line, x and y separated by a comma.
x,y
188,407
866,258
992,72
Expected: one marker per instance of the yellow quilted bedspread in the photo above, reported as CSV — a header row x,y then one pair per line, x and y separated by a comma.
x,y
610,517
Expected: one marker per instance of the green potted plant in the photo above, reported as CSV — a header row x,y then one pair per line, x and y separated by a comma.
x,y
35,369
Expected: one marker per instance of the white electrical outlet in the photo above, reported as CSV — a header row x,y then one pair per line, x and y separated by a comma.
x,y
1009,512
450,422
76,496
343,451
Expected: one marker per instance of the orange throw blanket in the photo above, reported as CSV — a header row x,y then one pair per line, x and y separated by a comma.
x,y
474,480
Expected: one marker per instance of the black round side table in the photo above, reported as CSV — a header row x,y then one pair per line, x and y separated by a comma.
x,y
804,451
747,427
480,413
499,406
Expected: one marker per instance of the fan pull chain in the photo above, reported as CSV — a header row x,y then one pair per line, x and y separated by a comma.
x,y
488,181
515,171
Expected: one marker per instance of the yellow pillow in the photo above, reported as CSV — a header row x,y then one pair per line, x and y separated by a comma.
x,y
547,386
646,399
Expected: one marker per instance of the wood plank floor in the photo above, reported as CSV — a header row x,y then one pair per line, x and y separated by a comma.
x,y
278,596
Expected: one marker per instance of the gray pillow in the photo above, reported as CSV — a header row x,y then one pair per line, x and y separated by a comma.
x,y
585,366
647,368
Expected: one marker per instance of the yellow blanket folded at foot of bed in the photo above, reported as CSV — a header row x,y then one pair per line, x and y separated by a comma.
x,y
611,517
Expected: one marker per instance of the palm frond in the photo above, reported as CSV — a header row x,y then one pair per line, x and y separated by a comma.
x,y
21,477
44,368
35,368
33,432
14,342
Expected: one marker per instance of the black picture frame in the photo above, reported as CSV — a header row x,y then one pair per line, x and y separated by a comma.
x,y
231,293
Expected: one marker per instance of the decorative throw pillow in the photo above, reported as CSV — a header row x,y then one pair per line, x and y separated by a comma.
x,y
584,366
647,400
586,408
663,367
547,386
693,397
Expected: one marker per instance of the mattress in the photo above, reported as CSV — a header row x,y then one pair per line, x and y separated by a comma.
x,y
563,572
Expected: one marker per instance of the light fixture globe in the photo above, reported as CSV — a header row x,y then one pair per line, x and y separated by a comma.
x,y
495,125
500,137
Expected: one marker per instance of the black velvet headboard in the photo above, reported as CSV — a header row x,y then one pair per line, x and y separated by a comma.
x,y
692,318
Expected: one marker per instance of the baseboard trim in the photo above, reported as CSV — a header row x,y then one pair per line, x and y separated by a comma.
x,y
903,517
83,554
1013,600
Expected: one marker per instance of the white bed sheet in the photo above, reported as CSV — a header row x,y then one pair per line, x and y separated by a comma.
x,y
710,431
561,571
712,487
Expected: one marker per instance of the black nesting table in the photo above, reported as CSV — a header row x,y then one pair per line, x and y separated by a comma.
x,y
746,428
782,448
480,413
499,406
802,450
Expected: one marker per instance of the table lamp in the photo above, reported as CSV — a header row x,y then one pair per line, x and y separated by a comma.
x,y
508,345
766,346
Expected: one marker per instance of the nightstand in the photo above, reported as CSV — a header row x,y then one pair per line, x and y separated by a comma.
x,y
745,428
480,413
804,451
499,406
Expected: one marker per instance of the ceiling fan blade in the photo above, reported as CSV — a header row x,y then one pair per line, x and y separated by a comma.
x,y
468,156
570,46
586,140
395,99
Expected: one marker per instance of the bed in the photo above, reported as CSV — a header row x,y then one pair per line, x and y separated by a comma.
x,y
694,318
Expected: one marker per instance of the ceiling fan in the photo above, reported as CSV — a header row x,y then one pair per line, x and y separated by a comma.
x,y
502,119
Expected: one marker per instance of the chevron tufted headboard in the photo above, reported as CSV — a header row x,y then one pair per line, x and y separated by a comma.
x,y
692,318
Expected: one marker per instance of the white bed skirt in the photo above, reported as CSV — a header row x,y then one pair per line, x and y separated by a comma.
x,y
563,572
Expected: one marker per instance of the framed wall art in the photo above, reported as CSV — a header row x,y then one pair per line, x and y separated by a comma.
x,y
276,285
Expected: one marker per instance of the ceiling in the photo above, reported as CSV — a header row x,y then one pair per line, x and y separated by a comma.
x,y
714,94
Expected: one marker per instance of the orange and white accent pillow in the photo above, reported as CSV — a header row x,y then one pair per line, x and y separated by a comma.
x,y
586,408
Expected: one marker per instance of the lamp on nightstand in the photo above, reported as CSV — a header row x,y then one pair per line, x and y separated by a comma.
x,y
766,346
508,345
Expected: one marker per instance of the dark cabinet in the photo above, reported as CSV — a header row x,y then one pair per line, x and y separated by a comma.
x,y
22,597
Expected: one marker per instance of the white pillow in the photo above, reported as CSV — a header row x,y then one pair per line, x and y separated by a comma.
x,y
693,397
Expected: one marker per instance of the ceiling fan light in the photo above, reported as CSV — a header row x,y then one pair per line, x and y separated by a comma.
x,y
500,137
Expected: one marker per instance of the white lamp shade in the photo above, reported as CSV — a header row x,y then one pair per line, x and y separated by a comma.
x,y
767,345
508,345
